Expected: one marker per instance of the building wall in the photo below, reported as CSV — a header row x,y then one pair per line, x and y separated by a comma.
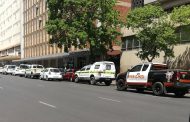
x,y
10,27
181,51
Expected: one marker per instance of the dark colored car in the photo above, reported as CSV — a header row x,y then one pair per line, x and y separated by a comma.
x,y
69,74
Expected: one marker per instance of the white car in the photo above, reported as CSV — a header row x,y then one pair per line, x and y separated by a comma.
x,y
16,71
103,71
1,69
8,69
51,73
33,70
21,70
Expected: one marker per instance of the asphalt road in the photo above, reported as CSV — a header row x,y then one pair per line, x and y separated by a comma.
x,y
32,100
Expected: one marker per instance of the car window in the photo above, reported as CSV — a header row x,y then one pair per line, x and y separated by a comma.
x,y
136,68
97,67
54,70
83,69
108,67
39,66
34,66
145,67
88,68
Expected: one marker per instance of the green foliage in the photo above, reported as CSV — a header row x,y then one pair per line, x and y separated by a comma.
x,y
74,22
154,30
181,15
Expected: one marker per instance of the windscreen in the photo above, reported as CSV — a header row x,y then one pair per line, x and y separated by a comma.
x,y
159,67
54,70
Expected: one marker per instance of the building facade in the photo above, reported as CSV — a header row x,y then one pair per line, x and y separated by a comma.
x,y
11,30
36,40
130,46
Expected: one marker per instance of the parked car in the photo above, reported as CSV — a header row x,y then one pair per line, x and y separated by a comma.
x,y
1,69
8,69
103,71
33,70
16,71
155,77
69,75
51,73
22,68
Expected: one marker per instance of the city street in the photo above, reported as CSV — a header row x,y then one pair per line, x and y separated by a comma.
x,y
32,100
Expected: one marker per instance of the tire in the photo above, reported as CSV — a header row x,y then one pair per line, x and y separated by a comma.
x,y
71,79
40,77
47,78
108,83
158,89
25,75
31,76
92,80
120,84
179,93
76,79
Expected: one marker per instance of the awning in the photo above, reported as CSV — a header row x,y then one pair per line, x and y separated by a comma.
x,y
43,57
9,58
113,52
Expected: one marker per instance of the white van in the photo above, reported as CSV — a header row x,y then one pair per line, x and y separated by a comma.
x,y
103,71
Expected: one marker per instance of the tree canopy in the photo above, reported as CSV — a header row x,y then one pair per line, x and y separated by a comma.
x,y
82,23
154,30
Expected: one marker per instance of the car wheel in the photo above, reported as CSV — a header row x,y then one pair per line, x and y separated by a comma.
x,y
47,78
158,89
40,77
76,79
31,76
108,83
25,75
71,79
121,85
92,80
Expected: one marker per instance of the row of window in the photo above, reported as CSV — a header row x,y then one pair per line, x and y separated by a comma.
x,y
182,33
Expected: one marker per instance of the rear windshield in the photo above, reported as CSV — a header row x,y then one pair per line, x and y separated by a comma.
x,y
12,67
54,70
39,66
158,67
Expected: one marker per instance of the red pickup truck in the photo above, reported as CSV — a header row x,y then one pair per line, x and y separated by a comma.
x,y
155,77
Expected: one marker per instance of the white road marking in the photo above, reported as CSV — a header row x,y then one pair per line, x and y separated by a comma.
x,y
52,106
1,87
109,99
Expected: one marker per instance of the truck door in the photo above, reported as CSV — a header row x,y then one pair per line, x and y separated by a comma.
x,y
138,74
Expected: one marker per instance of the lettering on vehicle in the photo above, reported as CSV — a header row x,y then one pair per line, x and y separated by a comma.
x,y
169,76
136,76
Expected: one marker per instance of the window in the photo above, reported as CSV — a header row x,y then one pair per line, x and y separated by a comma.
x,y
108,67
137,3
88,68
183,33
145,67
136,68
97,67
130,43
82,69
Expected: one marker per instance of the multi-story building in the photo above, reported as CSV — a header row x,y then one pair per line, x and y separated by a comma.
x,y
36,40
10,30
130,46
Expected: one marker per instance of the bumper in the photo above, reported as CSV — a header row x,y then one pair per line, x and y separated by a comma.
x,y
104,79
36,74
55,77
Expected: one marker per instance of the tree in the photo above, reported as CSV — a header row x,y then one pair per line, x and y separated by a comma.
x,y
181,15
154,30
83,23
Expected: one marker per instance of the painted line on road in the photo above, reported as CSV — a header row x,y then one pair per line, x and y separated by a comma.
x,y
1,87
109,99
49,105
